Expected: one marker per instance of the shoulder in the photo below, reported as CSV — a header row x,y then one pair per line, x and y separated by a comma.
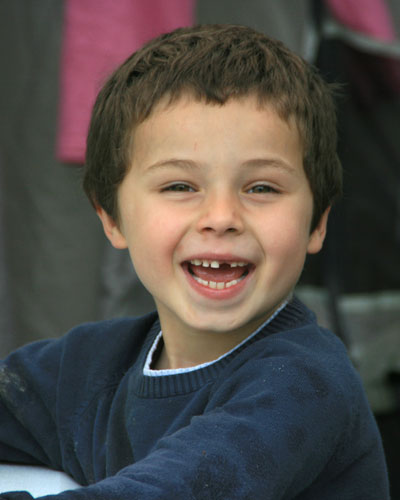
x,y
294,338
299,384
299,364
108,338
98,354
90,355
102,338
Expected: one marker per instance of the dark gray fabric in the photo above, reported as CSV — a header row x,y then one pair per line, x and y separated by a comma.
x,y
5,315
284,20
52,241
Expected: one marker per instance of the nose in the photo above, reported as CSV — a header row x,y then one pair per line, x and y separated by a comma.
x,y
220,214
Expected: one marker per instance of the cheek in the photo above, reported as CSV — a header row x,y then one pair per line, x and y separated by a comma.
x,y
287,235
287,250
142,223
152,240
148,263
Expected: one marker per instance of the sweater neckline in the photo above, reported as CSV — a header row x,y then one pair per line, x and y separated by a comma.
x,y
168,383
147,371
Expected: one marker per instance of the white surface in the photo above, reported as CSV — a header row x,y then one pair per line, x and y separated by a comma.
x,y
37,480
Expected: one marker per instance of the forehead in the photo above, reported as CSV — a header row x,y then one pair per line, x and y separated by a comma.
x,y
188,122
187,98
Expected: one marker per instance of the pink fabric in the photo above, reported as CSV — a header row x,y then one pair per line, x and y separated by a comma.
x,y
98,36
370,17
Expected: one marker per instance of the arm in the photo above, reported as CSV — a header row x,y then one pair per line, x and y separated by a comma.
x,y
259,438
273,427
27,405
43,384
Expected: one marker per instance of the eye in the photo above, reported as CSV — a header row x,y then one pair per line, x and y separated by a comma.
x,y
179,187
262,189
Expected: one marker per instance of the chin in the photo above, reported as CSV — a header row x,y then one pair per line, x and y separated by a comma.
x,y
219,323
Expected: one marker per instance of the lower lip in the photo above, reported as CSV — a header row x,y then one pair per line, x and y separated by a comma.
x,y
214,293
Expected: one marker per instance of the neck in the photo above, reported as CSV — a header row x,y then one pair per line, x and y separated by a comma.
x,y
185,348
207,348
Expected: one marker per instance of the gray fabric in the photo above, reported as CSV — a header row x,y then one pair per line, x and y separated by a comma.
x,y
122,293
372,322
52,240
284,20
61,269
394,7
5,315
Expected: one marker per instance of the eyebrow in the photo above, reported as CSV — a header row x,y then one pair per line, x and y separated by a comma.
x,y
270,162
253,163
174,162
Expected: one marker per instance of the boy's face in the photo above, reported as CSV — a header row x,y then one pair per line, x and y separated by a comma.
x,y
216,186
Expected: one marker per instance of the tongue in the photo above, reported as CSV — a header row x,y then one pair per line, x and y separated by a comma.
x,y
224,273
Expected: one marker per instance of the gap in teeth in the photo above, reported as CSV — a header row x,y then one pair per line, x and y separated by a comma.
x,y
215,264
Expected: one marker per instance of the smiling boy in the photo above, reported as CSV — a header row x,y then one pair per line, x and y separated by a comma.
x,y
216,211
212,158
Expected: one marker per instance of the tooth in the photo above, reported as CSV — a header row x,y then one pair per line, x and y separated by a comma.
x,y
241,264
201,281
234,264
205,263
196,262
217,285
215,264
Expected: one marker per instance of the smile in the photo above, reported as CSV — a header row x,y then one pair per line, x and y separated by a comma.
x,y
218,275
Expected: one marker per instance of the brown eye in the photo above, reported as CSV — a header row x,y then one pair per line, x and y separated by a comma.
x,y
179,187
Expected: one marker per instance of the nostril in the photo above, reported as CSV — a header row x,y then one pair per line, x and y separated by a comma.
x,y
220,221
213,229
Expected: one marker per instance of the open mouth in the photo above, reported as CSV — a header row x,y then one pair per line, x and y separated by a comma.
x,y
218,275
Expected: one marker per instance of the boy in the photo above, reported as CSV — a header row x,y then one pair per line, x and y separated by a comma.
x,y
211,156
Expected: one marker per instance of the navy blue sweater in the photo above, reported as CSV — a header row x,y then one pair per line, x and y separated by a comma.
x,y
284,416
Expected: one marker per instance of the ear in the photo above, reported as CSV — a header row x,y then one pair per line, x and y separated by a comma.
x,y
111,229
317,237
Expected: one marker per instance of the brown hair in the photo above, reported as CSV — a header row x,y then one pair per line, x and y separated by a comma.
x,y
213,63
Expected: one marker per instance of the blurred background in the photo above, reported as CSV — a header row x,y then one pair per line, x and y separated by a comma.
x,y
56,267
